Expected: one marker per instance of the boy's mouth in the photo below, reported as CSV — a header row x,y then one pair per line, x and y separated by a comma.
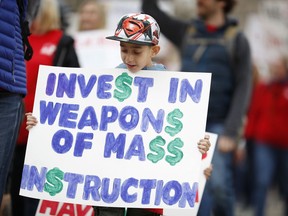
x,y
130,65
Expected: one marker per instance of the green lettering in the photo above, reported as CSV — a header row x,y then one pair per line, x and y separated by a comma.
x,y
172,118
155,146
173,148
54,184
121,84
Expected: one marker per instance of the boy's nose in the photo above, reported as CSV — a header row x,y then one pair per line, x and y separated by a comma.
x,y
129,57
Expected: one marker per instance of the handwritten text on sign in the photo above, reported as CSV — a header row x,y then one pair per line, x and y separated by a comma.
x,y
111,137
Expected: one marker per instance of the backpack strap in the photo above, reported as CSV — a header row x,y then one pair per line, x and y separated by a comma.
x,y
228,40
230,37
25,31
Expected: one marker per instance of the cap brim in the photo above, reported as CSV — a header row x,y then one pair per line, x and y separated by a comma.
x,y
129,41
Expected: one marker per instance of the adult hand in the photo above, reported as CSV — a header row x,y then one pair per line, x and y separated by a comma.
x,y
226,144
240,152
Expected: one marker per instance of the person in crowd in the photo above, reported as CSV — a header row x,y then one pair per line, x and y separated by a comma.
x,y
51,46
266,128
14,47
92,15
212,42
244,157
92,48
136,53
65,14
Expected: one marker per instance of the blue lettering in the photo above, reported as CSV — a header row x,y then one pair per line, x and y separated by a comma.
x,y
194,93
50,86
95,181
106,118
72,179
88,118
66,114
158,196
35,178
188,194
136,149
110,190
157,124
110,198
82,144
143,83
131,182
49,111
104,86
173,90
147,185
86,89
171,185
114,145
64,135
66,85
25,176
134,119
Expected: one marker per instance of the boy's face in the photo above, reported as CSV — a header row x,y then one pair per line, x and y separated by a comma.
x,y
136,57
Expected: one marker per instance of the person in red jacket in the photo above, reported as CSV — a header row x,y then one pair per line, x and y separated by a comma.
x,y
51,46
267,127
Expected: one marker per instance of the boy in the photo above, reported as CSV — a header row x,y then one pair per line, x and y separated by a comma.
x,y
139,37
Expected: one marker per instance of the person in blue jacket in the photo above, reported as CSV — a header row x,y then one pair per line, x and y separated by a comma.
x,y
12,77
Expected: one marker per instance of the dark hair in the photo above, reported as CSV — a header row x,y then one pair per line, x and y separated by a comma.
x,y
229,5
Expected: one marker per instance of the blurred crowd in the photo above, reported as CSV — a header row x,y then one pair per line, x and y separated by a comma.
x,y
254,152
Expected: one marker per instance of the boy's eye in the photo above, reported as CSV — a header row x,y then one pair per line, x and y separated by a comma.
x,y
137,52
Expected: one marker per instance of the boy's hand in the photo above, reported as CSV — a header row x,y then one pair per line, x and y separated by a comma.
x,y
208,172
204,144
31,121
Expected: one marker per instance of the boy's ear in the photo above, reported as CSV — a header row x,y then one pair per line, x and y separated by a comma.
x,y
155,50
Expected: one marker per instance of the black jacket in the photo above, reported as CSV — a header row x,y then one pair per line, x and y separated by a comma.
x,y
65,55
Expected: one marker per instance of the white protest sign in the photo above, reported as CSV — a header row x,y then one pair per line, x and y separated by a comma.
x,y
47,207
94,50
268,34
206,162
109,137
